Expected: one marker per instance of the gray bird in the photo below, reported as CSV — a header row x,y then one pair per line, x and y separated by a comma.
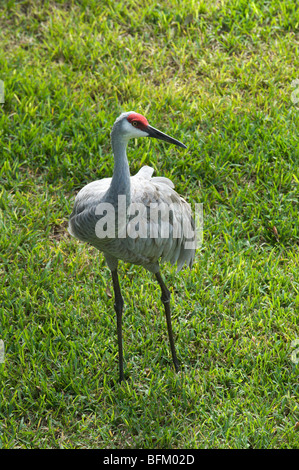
x,y
104,215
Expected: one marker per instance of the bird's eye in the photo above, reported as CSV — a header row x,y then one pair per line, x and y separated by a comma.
x,y
134,123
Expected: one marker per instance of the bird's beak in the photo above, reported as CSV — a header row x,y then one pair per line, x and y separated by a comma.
x,y
152,132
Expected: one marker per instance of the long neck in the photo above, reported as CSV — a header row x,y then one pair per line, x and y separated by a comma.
x,y
120,184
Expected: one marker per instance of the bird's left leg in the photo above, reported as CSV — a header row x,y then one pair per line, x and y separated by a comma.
x,y
166,301
118,306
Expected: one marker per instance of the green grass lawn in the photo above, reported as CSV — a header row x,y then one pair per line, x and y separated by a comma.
x,y
219,76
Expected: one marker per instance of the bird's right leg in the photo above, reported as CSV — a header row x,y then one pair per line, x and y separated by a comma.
x,y
118,306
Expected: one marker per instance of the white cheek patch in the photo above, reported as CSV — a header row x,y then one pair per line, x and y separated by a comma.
x,y
132,131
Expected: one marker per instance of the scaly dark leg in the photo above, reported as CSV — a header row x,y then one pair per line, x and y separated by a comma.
x,y
118,306
166,301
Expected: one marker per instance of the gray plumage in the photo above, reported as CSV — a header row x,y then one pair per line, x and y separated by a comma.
x,y
142,188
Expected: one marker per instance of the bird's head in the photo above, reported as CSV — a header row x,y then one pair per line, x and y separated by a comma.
x,y
132,125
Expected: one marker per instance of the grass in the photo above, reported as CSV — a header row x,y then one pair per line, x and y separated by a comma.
x,y
218,76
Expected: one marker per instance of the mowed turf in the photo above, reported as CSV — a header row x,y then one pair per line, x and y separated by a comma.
x,y
220,77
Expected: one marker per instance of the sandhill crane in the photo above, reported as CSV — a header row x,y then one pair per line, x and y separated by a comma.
x,y
89,220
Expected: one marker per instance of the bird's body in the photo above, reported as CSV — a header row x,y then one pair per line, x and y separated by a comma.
x,y
146,251
147,217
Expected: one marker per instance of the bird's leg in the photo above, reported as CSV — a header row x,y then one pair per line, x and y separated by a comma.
x,y
118,306
166,301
